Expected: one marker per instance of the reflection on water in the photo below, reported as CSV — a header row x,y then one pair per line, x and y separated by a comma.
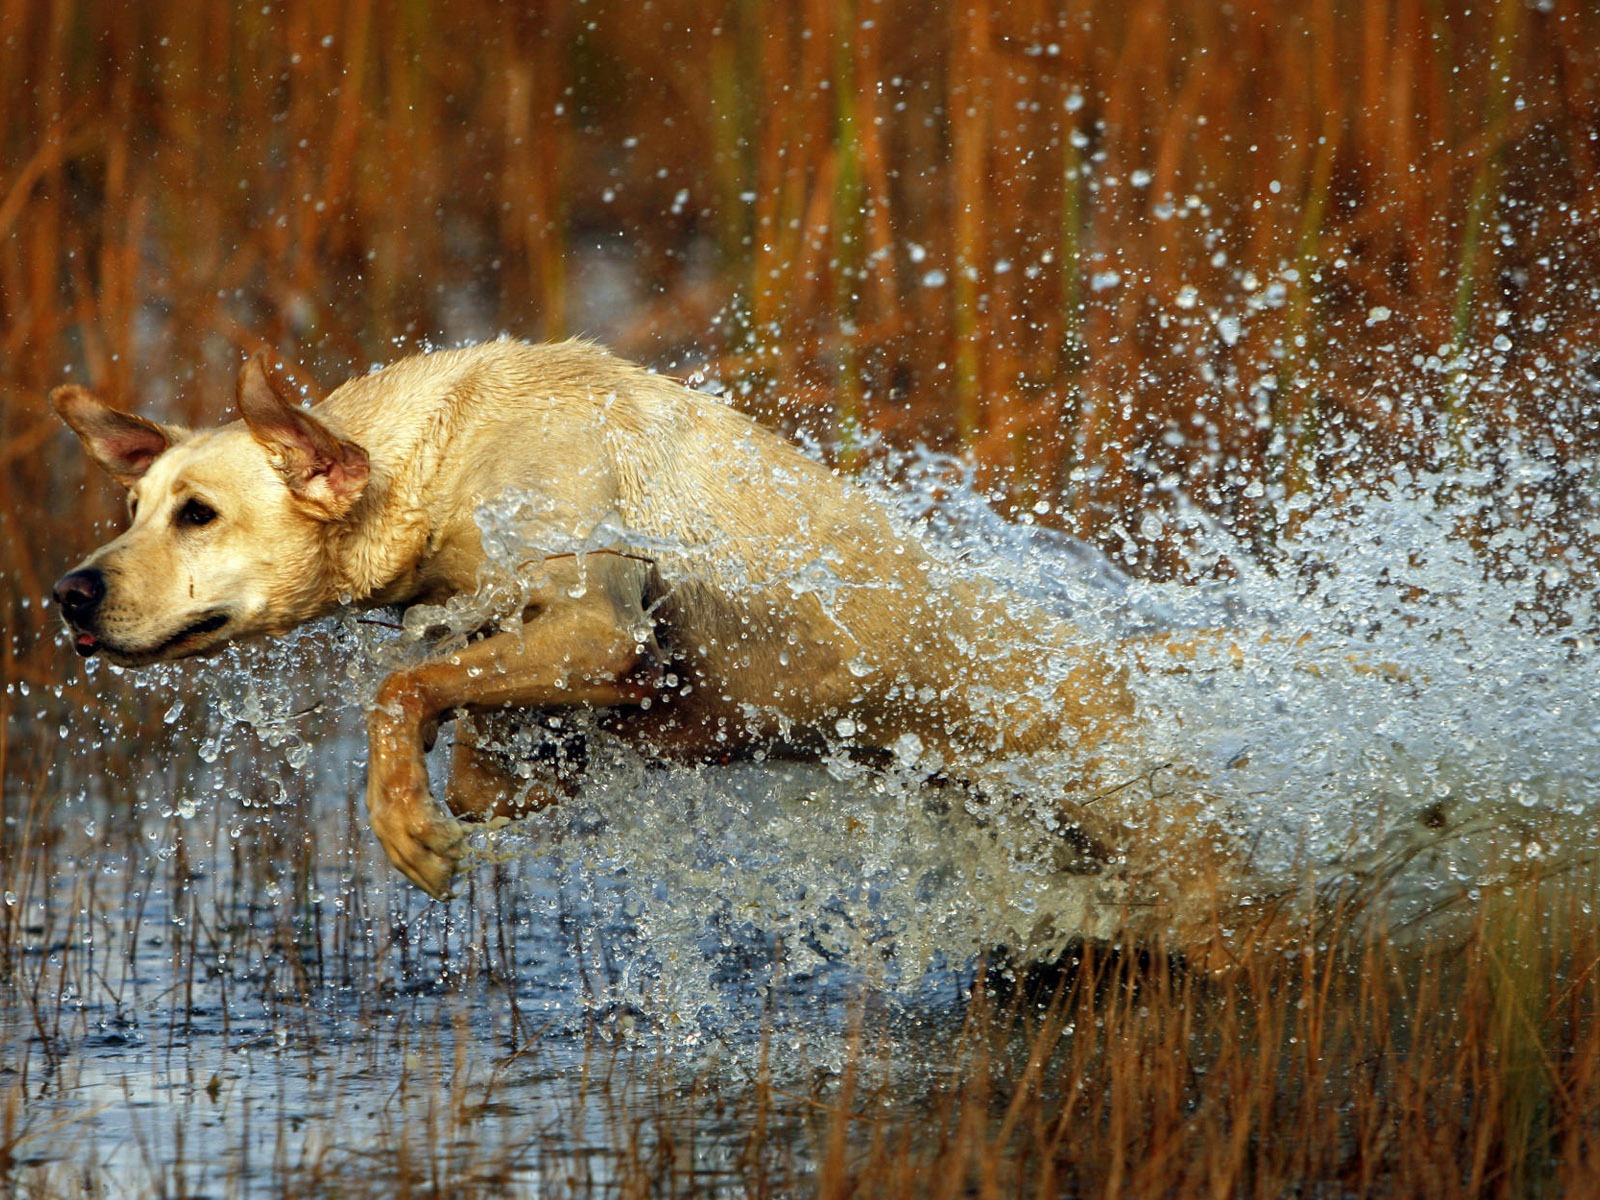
x,y
200,1020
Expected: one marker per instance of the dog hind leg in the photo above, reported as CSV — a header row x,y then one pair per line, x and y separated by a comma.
x,y
483,787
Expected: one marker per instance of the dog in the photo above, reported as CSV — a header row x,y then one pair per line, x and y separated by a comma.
x,y
747,599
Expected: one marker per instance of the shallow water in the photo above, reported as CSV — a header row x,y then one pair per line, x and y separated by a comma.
x,y
226,991
219,986
180,1021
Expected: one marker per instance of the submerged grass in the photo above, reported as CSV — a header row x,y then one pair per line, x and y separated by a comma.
x,y
1339,1064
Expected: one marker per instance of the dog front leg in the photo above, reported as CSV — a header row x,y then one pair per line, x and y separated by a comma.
x,y
564,657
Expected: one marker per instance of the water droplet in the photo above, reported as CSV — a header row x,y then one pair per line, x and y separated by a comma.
x,y
907,749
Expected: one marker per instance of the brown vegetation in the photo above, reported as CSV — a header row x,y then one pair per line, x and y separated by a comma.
x,y
1111,249
1345,1066
1114,250
1342,1070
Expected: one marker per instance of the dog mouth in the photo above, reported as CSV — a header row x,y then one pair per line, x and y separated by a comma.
x,y
187,640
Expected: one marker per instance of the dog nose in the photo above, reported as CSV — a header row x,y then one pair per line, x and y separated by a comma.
x,y
79,594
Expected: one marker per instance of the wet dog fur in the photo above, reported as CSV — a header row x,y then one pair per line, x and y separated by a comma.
x,y
765,606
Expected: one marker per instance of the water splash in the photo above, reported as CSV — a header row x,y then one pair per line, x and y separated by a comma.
x,y
1390,704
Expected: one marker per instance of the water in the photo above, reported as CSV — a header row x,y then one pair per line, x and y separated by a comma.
x,y
221,986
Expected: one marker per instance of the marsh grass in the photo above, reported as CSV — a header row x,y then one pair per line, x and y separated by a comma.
x,y
234,1002
178,1027
1114,253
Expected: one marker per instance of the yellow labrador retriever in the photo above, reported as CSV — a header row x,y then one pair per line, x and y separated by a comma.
x,y
748,601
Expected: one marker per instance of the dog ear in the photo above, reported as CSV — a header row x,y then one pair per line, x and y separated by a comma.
x,y
124,445
326,474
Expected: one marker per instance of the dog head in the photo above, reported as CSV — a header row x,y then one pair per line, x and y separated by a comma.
x,y
230,527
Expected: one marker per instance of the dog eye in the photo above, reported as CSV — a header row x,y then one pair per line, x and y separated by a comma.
x,y
194,514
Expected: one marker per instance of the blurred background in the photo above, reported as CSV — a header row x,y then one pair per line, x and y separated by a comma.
x,y
1126,256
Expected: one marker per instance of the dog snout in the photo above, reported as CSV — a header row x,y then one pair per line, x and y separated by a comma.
x,y
79,594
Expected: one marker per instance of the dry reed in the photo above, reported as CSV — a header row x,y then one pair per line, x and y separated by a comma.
x,y
1111,250
1345,1067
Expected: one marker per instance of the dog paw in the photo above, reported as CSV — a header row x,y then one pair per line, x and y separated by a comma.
x,y
421,839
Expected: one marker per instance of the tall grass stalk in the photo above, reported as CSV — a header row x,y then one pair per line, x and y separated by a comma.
x,y
181,189
1484,200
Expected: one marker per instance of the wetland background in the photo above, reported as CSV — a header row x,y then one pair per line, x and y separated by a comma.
x,y
1193,282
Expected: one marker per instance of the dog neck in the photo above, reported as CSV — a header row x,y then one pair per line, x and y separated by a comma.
x,y
397,545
